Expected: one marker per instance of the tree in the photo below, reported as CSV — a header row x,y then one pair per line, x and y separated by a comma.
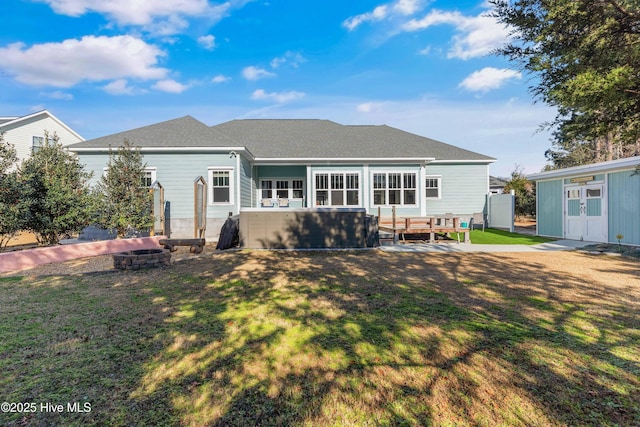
x,y
525,192
124,199
56,192
12,206
586,54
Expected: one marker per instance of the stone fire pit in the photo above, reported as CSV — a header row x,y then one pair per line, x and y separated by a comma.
x,y
142,258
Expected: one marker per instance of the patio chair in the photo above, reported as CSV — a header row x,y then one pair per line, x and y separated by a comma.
x,y
267,203
283,203
478,219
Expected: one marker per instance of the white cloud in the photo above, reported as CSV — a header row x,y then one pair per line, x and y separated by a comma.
x,y
279,97
407,7
255,73
162,17
385,11
64,96
294,59
477,35
88,59
170,86
220,78
488,78
119,87
378,14
369,107
208,42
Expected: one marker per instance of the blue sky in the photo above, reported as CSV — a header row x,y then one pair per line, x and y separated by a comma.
x,y
104,66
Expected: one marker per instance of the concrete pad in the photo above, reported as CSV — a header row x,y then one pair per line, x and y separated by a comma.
x,y
558,245
21,260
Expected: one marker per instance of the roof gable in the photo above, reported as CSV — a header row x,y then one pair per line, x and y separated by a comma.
x,y
177,133
6,122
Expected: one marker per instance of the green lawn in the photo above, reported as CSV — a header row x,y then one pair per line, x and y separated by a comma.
x,y
491,236
328,339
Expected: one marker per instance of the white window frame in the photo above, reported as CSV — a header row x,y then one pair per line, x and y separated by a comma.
x,y
402,188
230,170
344,190
438,178
274,189
153,171
41,142
152,174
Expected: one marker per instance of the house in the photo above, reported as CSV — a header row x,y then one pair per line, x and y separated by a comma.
x,y
595,202
496,185
26,133
299,164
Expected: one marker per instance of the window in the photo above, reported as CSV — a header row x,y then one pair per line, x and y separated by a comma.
x,y
38,141
394,188
266,186
432,187
221,186
337,189
148,177
297,186
281,188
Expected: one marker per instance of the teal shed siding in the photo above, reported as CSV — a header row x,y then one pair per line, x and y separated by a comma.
x,y
549,208
464,188
624,207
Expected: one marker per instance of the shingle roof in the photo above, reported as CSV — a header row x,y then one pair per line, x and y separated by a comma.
x,y
289,139
293,139
183,132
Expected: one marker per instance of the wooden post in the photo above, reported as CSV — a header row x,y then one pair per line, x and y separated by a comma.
x,y
393,217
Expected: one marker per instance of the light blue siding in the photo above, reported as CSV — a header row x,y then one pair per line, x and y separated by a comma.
x,y
464,188
176,172
624,207
594,207
573,207
246,184
549,197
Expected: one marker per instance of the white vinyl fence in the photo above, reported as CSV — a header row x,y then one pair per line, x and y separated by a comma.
x,y
501,211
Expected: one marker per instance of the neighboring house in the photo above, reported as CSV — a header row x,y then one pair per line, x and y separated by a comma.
x,y
254,164
593,202
26,133
496,185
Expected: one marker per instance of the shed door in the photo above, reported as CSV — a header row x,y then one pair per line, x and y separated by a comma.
x,y
585,213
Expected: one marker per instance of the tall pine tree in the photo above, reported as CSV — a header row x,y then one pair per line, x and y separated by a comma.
x,y
586,54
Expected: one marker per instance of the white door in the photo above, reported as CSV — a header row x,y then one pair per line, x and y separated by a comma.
x,y
585,208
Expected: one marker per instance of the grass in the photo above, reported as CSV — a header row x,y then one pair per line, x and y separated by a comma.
x,y
491,236
362,338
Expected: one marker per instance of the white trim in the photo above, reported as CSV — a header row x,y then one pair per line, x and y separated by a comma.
x,y
609,166
366,183
310,181
232,188
377,160
423,190
207,149
487,161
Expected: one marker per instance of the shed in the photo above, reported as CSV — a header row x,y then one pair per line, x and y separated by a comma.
x,y
595,202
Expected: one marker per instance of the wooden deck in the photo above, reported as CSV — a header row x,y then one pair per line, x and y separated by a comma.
x,y
400,227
